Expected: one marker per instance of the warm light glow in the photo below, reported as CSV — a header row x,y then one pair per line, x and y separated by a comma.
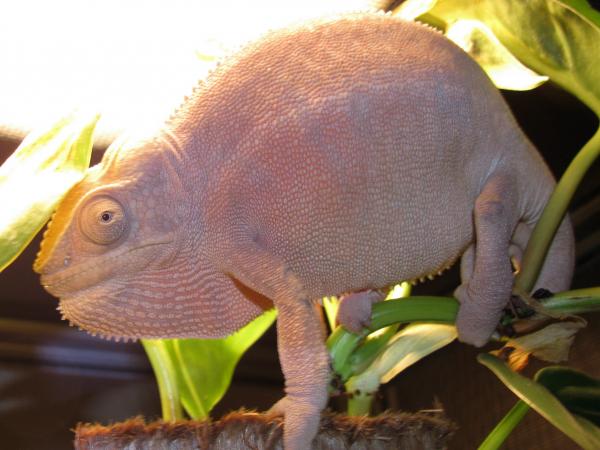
x,y
484,47
411,9
132,61
412,343
399,291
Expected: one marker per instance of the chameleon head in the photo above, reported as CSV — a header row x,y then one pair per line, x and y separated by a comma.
x,y
113,233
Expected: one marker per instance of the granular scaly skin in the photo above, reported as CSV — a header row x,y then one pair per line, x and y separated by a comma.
x,y
338,156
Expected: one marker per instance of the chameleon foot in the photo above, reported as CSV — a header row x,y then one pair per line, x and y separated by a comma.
x,y
354,312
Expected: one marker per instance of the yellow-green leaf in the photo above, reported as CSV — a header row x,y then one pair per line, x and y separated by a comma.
x,y
409,345
205,366
557,38
411,9
35,178
412,343
501,66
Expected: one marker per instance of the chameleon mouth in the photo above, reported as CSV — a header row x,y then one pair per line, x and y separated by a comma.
x,y
57,224
84,275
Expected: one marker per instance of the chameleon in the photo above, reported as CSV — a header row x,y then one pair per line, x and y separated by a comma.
x,y
333,157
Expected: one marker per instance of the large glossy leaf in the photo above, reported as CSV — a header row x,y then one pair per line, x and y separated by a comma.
x,y
579,429
35,178
498,62
205,366
584,8
560,39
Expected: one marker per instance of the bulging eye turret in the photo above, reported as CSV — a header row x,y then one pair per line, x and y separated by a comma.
x,y
103,220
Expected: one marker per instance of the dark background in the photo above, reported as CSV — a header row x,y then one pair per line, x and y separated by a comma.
x,y
53,376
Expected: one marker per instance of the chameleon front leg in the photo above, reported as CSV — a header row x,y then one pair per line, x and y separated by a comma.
x,y
300,340
486,273
305,364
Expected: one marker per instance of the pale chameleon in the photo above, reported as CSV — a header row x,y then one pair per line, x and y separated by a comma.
x,y
338,156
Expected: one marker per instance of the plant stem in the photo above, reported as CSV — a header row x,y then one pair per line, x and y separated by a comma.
x,y
361,391
359,404
165,378
546,227
342,343
501,431
366,353
414,309
376,341
574,302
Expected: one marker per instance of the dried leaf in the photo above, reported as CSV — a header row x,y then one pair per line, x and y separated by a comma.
x,y
551,343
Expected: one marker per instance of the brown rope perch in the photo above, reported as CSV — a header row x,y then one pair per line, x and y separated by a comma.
x,y
244,430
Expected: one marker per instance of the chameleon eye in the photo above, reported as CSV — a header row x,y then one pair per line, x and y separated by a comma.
x,y
103,220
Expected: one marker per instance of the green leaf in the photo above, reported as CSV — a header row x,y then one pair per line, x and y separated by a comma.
x,y
557,38
205,366
34,179
581,401
409,345
579,429
373,345
577,391
342,344
502,67
401,290
377,340
584,8
560,39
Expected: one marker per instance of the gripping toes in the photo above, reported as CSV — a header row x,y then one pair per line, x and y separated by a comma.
x,y
354,312
301,421
477,318
486,272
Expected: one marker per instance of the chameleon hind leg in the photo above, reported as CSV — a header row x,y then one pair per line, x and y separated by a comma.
x,y
486,271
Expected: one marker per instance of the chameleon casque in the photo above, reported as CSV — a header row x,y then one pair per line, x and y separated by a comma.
x,y
335,157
